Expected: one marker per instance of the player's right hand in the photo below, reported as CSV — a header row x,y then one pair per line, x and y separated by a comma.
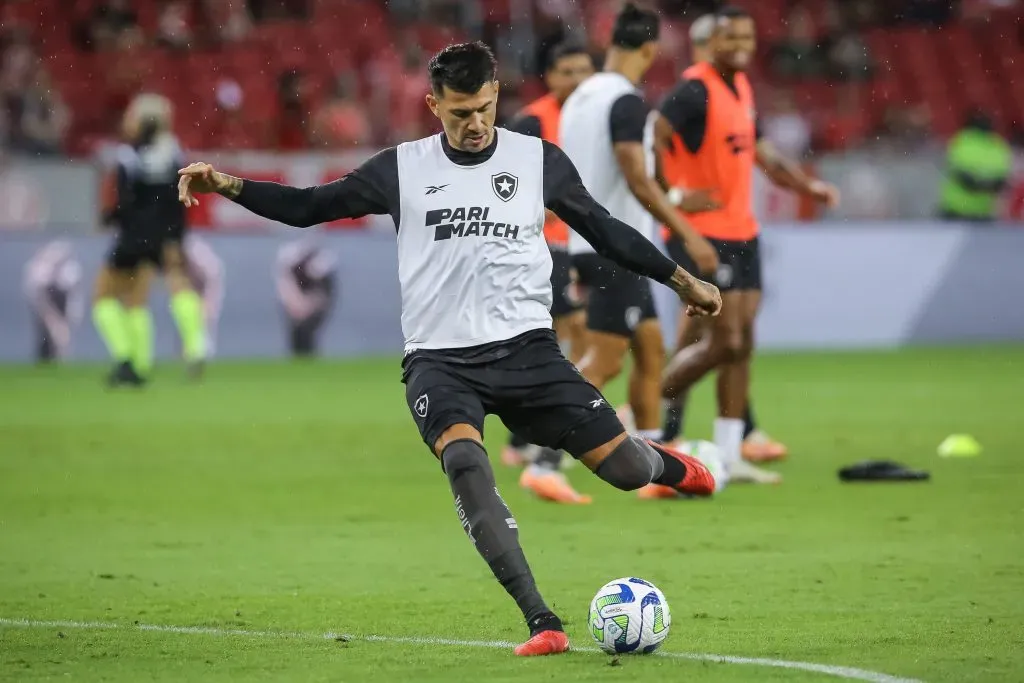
x,y
198,178
695,201
701,299
703,254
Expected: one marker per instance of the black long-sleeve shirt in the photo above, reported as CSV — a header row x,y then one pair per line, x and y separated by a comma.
x,y
373,189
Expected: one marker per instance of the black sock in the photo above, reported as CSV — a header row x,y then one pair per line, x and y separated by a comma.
x,y
748,421
516,441
549,459
544,622
674,471
672,426
489,524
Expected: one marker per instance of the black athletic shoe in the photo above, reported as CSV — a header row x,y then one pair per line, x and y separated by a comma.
x,y
124,375
881,470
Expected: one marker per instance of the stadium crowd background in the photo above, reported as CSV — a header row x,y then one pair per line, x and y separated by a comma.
x,y
299,74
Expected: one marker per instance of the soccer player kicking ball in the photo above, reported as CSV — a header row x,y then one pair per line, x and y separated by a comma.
x,y
476,292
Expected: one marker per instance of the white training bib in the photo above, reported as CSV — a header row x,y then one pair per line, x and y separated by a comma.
x,y
472,261
586,137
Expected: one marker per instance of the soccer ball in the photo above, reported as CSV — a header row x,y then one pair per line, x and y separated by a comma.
x,y
709,454
629,616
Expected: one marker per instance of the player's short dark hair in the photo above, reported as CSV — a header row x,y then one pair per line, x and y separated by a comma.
x,y
463,68
732,12
562,50
635,26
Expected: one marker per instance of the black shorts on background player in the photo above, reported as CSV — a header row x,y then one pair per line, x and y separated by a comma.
x,y
617,300
562,300
739,266
129,254
526,382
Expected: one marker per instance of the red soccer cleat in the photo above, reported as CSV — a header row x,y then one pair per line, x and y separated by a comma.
x,y
544,643
698,480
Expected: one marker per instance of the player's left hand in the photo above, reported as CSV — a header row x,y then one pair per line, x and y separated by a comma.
x,y
824,192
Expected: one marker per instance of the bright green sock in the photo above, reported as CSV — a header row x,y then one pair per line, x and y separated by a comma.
x,y
109,318
140,320
187,309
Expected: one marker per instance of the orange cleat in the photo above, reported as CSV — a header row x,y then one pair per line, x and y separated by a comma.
x,y
759,447
656,491
698,480
544,643
551,486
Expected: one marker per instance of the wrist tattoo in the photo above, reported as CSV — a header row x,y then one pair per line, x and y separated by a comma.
x,y
230,187
681,281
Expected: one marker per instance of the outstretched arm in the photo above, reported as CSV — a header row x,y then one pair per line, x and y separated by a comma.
x,y
565,194
787,174
363,191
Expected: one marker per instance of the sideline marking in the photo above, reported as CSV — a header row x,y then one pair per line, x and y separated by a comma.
x,y
847,672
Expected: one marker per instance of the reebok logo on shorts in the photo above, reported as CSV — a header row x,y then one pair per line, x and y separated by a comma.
x,y
421,405
469,221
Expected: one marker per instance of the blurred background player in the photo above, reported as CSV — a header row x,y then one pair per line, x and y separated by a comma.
x,y
715,143
757,445
206,274
978,166
150,226
569,64
52,277
307,288
608,131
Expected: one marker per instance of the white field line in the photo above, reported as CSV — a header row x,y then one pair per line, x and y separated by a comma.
x,y
847,672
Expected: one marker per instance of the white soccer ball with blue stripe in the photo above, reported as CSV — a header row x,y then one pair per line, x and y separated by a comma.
x,y
709,454
629,616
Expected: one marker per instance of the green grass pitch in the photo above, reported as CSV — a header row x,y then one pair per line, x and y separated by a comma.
x,y
298,498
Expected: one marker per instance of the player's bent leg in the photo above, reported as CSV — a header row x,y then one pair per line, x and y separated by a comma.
x,y
140,320
689,331
733,390
489,524
722,343
645,378
108,316
571,330
604,357
630,463
186,308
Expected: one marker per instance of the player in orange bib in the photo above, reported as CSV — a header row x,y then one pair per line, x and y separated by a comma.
x,y
714,142
569,65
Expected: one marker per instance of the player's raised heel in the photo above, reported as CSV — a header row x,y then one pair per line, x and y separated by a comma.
x,y
544,643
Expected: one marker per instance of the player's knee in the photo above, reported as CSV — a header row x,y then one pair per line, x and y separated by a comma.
x,y
733,347
630,466
462,456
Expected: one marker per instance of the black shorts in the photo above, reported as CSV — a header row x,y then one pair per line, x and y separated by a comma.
x,y
617,299
563,285
536,392
739,266
130,254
